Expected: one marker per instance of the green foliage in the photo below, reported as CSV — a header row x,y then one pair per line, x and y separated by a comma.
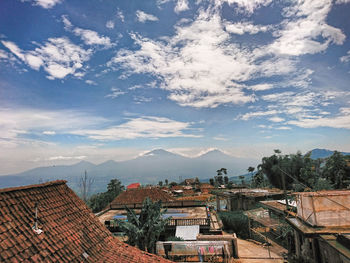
x,y
235,221
174,238
143,230
303,173
259,180
229,185
172,184
98,202
337,171
211,181
322,184
226,179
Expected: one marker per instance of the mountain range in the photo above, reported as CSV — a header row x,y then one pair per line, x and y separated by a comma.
x,y
150,168
323,153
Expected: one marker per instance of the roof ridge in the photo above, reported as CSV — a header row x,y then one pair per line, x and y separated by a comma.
x,y
18,188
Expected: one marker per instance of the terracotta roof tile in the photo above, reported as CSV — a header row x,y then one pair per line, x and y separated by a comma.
x,y
137,196
69,229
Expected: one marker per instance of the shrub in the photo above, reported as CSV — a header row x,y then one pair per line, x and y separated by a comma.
x,y
235,221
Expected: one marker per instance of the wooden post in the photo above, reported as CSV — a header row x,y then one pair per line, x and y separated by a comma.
x,y
217,203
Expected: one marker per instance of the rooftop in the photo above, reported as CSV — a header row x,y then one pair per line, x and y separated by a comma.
x,y
324,193
69,232
309,230
137,196
253,192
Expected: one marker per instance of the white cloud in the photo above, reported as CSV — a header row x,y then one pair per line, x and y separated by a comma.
x,y
14,123
246,6
342,120
115,92
60,157
89,37
44,3
250,115
345,58
92,38
181,5
120,15
58,57
262,86
142,127
49,132
3,55
110,24
305,31
198,65
144,17
241,28
90,82
283,128
276,119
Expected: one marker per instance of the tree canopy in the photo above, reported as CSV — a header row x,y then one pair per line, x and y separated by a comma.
x,y
99,201
143,230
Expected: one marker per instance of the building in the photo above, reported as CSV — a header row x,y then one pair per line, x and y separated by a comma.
x,y
322,226
133,198
133,186
206,188
245,199
50,223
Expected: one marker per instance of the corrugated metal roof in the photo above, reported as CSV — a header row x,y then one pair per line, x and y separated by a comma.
x,y
187,232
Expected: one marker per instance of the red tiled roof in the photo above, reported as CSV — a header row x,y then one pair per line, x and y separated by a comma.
x,y
205,185
137,196
133,186
71,232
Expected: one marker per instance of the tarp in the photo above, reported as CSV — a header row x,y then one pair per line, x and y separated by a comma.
x,y
187,232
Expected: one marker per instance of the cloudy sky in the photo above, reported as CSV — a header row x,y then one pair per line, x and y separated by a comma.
x,y
97,80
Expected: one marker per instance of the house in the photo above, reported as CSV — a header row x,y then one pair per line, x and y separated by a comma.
x,y
134,198
133,186
246,198
322,226
206,188
49,223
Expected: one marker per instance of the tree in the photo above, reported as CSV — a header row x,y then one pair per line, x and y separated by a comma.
x,y
160,183
226,179
144,230
85,183
250,169
211,181
98,202
337,171
172,184
166,182
241,177
259,180
196,181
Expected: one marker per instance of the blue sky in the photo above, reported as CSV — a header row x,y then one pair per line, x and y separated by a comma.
x,y
99,80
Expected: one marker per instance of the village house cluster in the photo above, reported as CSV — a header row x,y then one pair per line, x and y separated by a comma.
x,y
50,223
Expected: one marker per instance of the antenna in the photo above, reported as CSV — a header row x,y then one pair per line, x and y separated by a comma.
x,y
35,226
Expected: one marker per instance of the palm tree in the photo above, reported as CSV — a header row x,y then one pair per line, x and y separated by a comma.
x,y
143,230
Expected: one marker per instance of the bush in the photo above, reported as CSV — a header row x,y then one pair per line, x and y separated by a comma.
x,y
235,221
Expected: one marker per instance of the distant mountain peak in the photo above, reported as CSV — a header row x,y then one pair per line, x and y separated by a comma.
x,y
323,153
158,152
213,152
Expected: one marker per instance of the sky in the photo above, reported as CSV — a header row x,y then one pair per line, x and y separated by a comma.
x,y
98,80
